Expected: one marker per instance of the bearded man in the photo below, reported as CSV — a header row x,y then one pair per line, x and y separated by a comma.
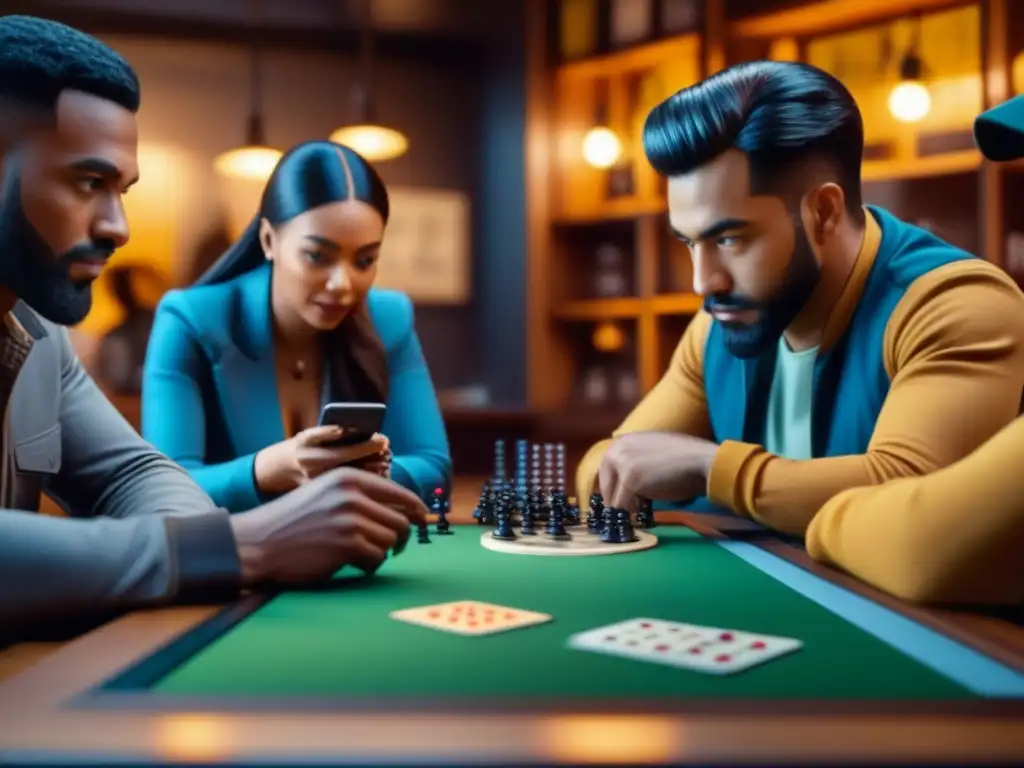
x,y
139,531
838,346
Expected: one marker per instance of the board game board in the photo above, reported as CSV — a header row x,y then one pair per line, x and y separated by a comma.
x,y
530,512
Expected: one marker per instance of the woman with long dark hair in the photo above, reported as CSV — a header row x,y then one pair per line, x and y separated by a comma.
x,y
240,364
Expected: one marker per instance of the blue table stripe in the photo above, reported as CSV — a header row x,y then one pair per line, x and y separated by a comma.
x,y
970,668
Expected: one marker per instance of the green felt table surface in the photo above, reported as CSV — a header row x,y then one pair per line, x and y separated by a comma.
x,y
342,642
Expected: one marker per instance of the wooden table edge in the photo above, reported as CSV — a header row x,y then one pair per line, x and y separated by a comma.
x,y
36,720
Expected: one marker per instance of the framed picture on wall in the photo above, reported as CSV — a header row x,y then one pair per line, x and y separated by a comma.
x,y
425,253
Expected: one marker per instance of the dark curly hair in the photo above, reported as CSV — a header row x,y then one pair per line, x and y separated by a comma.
x,y
40,58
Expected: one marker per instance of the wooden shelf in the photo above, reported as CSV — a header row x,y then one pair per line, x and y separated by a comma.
x,y
617,209
946,164
677,304
572,218
633,59
628,308
816,18
599,309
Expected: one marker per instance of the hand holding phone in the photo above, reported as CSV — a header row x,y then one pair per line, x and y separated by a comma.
x,y
348,435
358,421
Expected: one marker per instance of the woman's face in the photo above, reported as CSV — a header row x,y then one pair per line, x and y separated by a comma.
x,y
324,261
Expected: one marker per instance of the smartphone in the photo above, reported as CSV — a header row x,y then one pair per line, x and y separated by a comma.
x,y
359,420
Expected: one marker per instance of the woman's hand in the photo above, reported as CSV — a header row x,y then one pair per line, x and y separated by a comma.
x,y
379,464
290,463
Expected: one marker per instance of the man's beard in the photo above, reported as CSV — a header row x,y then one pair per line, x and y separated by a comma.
x,y
31,269
750,340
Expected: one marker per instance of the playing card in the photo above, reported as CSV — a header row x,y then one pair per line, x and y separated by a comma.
x,y
727,651
689,646
469,617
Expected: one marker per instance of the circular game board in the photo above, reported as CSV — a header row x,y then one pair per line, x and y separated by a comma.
x,y
582,543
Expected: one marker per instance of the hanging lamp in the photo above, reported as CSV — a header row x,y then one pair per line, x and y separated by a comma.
x,y
910,101
601,146
370,139
254,161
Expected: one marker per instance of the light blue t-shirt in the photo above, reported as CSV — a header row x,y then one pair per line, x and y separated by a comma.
x,y
788,432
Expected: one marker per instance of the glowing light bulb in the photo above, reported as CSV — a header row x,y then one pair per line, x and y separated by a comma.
x,y
910,101
601,147
608,337
248,163
374,142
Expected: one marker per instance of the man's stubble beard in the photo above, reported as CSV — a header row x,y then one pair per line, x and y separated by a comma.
x,y
30,269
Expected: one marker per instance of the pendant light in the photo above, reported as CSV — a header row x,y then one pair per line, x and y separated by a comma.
x,y
254,161
373,141
601,147
910,101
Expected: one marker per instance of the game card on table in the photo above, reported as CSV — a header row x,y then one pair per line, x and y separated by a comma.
x,y
470,617
689,646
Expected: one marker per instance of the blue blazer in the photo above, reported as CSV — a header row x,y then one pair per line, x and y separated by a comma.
x,y
209,390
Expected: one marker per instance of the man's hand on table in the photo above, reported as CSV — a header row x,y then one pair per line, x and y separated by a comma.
x,y
343,517
661,466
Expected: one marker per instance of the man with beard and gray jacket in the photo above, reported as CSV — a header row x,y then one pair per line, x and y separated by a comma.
x,y
139,532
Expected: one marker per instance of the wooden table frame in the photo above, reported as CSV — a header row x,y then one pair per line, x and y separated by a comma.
x,y
40,723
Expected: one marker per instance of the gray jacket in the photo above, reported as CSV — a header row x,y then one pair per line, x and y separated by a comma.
x,y
140,532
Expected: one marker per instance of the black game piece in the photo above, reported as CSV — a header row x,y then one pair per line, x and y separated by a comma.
x,y
504,530
528,528
535,505
624,527
645,515
481,503
488,507
423,533
439,506
595,515
609,532
556,525
573,511
522,507
560,500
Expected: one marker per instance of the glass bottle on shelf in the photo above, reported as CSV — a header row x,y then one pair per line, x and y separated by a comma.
x,y
609,280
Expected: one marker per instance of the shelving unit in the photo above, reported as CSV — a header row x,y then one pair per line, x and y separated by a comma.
x,y
928,172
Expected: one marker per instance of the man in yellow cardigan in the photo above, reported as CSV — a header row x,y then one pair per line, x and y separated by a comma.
x,y
956,535
839,346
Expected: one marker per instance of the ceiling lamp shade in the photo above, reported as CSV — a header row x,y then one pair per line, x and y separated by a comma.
x,y
374,142
253,163
367,136
255,160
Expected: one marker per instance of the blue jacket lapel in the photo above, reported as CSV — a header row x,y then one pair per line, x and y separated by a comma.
x,y
245,374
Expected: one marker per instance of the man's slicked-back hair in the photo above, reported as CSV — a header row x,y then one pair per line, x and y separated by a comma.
x,y
781,115
40,58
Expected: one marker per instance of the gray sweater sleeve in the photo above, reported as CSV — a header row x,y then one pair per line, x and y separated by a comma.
x,y
142,532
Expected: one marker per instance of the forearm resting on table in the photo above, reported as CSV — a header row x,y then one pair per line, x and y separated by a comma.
x,y
955,536
783,494
955,357
53,567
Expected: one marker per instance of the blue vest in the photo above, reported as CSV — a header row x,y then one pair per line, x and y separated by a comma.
x,y
850,381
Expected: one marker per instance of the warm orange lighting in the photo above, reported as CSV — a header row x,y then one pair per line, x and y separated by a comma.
x,y
253,162
602,147
374,142
910,101
195,737
608,337
596,739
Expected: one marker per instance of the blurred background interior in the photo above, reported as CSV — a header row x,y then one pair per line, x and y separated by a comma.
x,y
528,228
